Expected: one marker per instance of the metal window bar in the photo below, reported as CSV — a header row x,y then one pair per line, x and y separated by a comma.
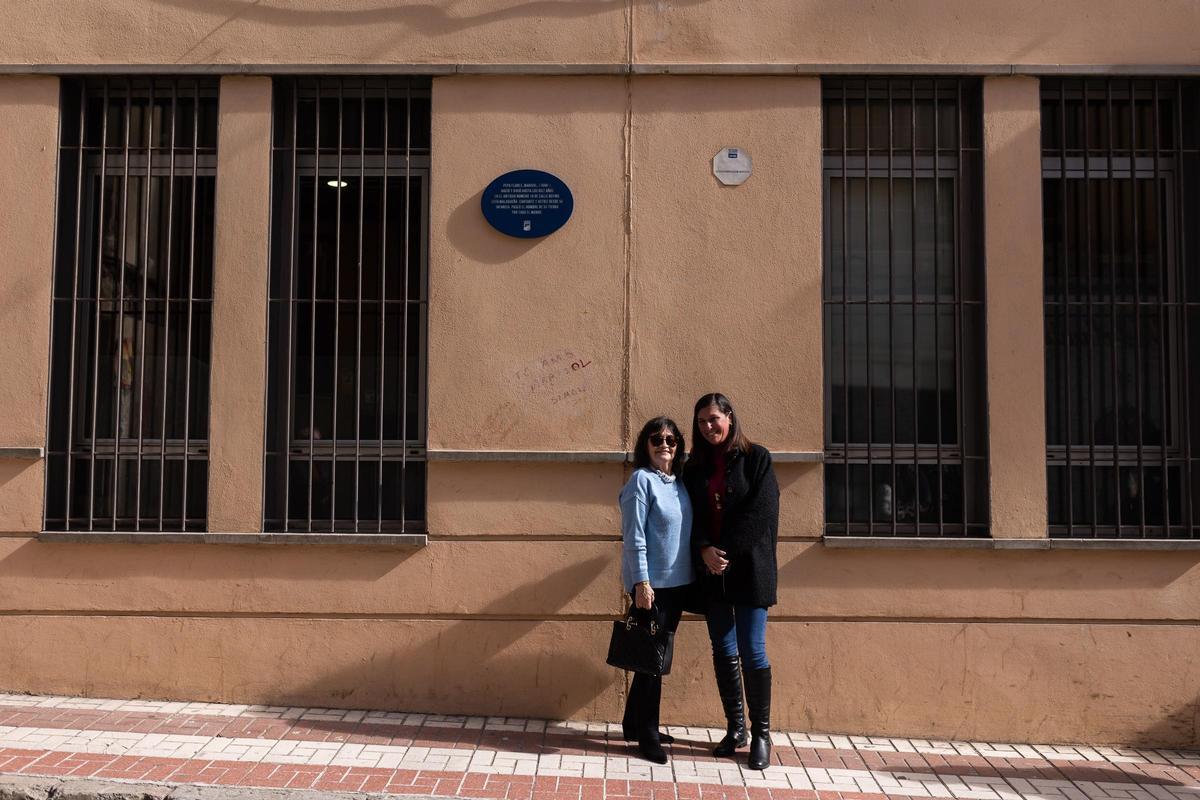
x,y
130,354
905,447
1121,171
345,447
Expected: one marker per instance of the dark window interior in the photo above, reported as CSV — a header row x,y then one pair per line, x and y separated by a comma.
x,y
905,428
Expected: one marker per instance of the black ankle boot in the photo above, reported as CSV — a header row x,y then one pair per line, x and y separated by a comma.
x,y
758,700
631,735
651,750
729,685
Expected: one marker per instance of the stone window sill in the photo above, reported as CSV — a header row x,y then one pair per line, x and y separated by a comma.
x,y
388,540
928,543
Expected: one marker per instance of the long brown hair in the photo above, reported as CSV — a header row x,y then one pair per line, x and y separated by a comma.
x,y
702,451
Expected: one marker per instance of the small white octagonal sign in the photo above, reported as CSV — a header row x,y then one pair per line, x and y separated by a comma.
x,y
732,166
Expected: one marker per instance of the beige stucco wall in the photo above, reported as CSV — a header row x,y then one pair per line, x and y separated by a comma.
x,y
919,32
239,338
526,334
578,580
726,280
506,610
981,32
1099,683
28,155
1015,352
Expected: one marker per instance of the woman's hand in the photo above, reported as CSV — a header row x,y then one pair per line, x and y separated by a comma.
x,y
714,559
643,596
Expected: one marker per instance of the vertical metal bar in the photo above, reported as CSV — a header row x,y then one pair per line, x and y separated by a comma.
x,y
191,287
961,167
141,344
1137,308
121,305
845,299
75,269
867,302
404,476
937,302
1112,301
383,270
290,302
891,301
1063,302
97,290
312,333
1163,325
1065,306
362,183
915,349
1189,518
1089,258
337,306
167,300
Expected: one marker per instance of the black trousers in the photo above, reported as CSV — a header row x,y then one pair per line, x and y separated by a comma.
x,y
645,691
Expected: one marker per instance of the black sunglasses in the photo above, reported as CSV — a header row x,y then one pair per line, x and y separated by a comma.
x,y
657,439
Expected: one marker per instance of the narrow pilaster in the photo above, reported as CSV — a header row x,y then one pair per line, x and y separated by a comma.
x,y
28,158
1015,350
239,338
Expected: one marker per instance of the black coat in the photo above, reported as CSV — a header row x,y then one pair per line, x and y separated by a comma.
x,y
749,527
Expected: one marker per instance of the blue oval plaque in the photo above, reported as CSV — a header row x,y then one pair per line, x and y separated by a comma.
x,y
527,203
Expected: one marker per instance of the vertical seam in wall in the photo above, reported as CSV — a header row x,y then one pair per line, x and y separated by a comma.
x,y
627,336
627,344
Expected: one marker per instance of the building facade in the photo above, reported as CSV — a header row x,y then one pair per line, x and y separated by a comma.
x,y
286,421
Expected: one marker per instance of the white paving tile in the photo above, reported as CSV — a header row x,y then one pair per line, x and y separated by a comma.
x,y
906,784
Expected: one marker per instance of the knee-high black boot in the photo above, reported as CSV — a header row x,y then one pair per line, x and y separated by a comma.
x,y
758,699
729,685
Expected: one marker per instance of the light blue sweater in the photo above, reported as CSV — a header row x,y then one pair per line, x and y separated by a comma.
x,y
656,531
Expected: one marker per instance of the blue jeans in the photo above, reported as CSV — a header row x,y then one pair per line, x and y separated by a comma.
x,y
737,630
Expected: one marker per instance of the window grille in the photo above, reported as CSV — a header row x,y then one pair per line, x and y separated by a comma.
x,y
132,305
1122,306
905,414
348,305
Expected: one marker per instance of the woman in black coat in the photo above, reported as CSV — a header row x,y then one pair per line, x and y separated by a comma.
x,y
735,531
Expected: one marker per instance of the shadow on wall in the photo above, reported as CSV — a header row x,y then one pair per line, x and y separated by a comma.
x,y
1179,728
471,235
429,19
534,667
10,470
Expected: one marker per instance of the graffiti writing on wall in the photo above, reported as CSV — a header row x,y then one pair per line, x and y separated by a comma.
x,y
558,378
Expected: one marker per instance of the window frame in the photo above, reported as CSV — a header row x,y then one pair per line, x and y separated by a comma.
x,y
1081,151
74,433
868,162
406,157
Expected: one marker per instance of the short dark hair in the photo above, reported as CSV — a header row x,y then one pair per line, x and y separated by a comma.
x,y
702,451
641,450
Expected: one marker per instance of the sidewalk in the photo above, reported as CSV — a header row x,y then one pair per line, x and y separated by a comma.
x,y
197,744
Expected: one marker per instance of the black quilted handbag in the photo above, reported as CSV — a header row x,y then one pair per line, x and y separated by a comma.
x,y
640,644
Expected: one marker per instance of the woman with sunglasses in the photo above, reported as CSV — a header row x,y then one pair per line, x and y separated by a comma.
x,y
736,499
656,565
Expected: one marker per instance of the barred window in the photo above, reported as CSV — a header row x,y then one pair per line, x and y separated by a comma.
x,y
348,304
132,305
905,419
1122,306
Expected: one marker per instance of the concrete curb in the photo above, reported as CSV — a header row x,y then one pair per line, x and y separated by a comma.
x,y
32,787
